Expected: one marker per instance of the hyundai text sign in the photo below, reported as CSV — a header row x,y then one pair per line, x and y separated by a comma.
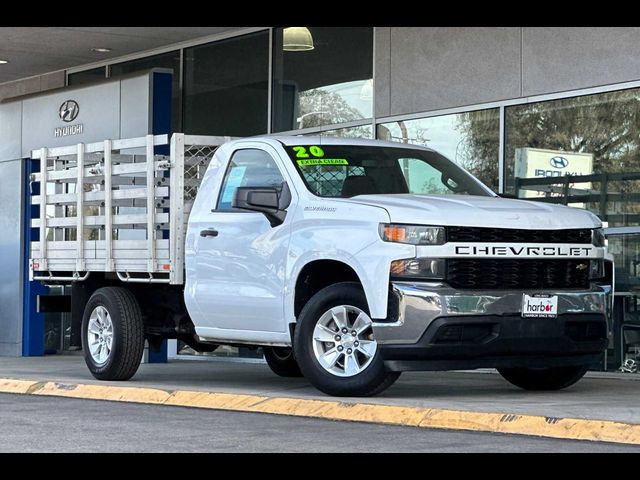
x,y
68,131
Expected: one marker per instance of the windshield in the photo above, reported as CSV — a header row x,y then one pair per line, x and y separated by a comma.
x,y
344,171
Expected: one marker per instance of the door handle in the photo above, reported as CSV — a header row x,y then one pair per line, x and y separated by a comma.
x,y
210,233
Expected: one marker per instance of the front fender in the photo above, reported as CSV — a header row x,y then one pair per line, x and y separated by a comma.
x,y
351,237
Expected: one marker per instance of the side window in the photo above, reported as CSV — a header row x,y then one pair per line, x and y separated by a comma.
x,y
248,168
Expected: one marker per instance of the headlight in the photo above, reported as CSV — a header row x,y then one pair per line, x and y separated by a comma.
x,y
419,268
412,234
598,239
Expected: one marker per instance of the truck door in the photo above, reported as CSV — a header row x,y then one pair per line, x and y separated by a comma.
x,y
240,259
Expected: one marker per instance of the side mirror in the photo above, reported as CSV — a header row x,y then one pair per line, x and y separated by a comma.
x,y
269,201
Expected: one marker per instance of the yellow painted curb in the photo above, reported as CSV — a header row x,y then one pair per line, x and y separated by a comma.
x,y
563,428
16,386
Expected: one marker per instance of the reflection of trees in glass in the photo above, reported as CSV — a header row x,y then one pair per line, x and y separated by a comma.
x,y
319,107
480,147
477,151
363,131
435,187
605,125
410,132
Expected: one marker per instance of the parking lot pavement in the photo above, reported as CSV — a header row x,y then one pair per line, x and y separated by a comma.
x,y
595,398
46,424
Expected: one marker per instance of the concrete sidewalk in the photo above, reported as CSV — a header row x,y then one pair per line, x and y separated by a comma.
x,y
600,399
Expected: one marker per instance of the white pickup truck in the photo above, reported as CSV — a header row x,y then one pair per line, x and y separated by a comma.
x,y
348,261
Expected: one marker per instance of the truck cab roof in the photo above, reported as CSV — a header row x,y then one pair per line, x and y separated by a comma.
x,y
290,140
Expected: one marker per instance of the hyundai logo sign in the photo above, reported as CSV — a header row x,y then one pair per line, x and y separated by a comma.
x,y
559,162
69,111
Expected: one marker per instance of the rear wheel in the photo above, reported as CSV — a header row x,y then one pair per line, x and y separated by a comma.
x,y
113,334
282,362
548,379
335,344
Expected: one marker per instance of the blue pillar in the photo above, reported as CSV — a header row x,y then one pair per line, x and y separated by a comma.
x,y
161,124
32,321
160,355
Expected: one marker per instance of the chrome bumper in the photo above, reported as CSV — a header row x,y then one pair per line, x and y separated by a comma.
x,y
414,306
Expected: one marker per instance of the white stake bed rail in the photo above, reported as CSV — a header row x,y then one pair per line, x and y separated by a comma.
x,y
131,217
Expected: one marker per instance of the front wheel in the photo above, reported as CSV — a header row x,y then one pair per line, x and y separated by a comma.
x,y
335,344
545,379
113,334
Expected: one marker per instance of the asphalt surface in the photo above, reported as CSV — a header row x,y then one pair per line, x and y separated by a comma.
x,y
47,424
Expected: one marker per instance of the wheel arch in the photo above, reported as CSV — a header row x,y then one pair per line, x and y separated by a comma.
x,y
316,275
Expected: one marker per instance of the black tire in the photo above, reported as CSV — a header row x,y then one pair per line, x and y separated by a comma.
x,y
370,382
282,362
128,334
548,379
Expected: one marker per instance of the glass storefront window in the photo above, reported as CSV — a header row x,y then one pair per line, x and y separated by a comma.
x,y
471,139
331,83
625,340
87,76
626,250
363,131
226,87
595,137
585,152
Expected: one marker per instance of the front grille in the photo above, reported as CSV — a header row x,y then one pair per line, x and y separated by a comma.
x,y
490,274
501,235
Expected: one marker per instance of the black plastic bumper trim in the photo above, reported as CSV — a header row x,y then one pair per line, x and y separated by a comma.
x,y
490,362
503,341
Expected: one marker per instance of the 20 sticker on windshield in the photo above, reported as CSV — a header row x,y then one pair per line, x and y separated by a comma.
x,y
314,156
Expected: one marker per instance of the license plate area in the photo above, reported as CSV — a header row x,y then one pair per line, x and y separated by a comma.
x,y
539,306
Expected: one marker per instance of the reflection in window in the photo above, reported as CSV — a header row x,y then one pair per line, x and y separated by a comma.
x,y
330,84
626,251
364,131
226,87
596,137
471,139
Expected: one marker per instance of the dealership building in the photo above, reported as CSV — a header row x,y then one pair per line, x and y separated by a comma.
x,y
525,109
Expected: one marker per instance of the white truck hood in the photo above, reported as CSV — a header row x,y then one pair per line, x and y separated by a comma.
x,y
473,211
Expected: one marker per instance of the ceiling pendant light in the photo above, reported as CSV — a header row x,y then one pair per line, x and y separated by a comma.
x,y
297,39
